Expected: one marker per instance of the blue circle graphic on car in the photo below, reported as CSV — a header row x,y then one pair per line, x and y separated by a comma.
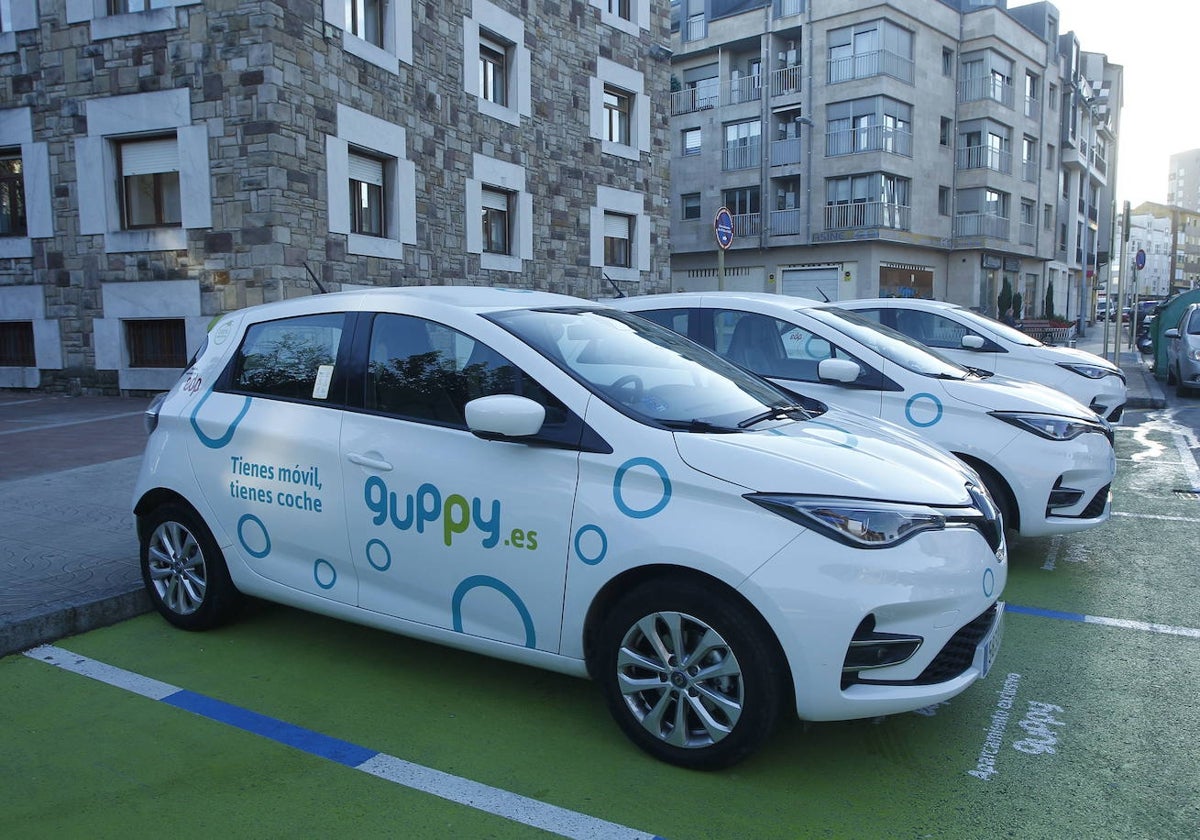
x,y
223,439
618,488
250,529
488,582
923,410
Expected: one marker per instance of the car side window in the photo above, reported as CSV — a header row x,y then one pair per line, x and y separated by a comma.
x,y
931,329
422,370
292,358
1193,327
771,347
677,320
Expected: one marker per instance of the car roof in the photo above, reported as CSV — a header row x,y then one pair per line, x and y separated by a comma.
x,y
915,303
700,298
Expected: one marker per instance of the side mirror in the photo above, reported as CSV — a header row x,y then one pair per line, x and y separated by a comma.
x,y
838,370
504,416
1171,333
970,341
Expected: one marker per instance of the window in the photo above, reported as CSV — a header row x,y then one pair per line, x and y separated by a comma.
x,y
16,344
366,20
1033,87
690,204
742,201
945,130
290,358
618,110
1048,216
875,199
947,61
493,71
495,213
770,347
987,75
877,123
618,236
422,370
367,195
691,141
1050,162
620,8
1053,97
12,196
870,49
943,201
156,343
150,183
121,7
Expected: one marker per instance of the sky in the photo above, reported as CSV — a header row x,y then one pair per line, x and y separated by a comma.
x,y
1153,41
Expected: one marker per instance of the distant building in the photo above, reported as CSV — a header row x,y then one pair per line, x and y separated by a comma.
x,y
165,161
915,147
1183,180
1170,236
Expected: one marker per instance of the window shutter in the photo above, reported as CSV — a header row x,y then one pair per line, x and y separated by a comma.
x,y
149,156
616,226
493,200
365,169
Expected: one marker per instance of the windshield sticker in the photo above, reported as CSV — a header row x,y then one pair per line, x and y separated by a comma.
x,y
321,383
923,410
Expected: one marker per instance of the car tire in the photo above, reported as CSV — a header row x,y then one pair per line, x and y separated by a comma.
x,y
709,709
184,570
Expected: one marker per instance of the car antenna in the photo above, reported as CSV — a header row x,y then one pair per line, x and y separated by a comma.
x,y
314,278
822,291
613,283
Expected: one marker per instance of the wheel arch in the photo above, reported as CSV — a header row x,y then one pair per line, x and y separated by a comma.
x,y
994,480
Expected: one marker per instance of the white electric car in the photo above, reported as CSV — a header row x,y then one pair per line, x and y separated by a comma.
x,y
564,485
976,341
1046,459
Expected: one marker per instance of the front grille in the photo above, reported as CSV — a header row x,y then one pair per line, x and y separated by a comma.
x,y
953,659
1114,416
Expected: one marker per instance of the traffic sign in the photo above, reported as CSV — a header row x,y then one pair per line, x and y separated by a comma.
x,y
1140,259
723,227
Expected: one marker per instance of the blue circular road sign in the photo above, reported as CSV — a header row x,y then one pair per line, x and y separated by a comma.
x,y
723,227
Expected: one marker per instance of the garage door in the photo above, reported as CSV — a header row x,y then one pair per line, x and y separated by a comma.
x,y
816,283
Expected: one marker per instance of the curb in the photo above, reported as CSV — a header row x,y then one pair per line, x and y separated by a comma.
x,y
59,621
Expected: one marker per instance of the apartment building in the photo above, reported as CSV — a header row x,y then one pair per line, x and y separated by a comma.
x,y
1183,180
165,161
1170,237
929,148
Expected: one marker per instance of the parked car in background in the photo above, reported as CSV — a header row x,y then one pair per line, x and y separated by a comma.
x,y
1183,352
976,341
563,485
1046,459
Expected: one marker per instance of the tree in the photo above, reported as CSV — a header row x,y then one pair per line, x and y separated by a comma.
x,y
1005,301
1018,304
1049,311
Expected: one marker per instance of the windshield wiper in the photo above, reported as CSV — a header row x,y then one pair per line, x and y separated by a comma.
x,y
695,425
779,412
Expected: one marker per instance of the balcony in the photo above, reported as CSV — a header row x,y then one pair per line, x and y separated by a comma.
x,y
867,214
974,90
747,224
1028,234
786,80
1029,170
874,138
983,157
695,28
699,98
877,63
787,151
981,224
785,222
741,156
790,8
1031,107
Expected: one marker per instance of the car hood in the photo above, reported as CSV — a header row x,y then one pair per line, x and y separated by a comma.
x,y
1072,356
836,454
1000,393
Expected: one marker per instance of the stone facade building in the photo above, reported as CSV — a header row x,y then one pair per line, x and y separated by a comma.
x,y
165,161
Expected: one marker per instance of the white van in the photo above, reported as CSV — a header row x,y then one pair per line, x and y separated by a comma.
x,y
976,341
560,484
1046,459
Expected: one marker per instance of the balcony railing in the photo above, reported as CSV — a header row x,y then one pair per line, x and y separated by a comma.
x,y
747,224
873,138
972,90
1029,170
786,80
785,222
741,156
790,8
1031,106
867,214
877,63
694,99
786,151
983,157
981,224
695,28
743,89
1028,234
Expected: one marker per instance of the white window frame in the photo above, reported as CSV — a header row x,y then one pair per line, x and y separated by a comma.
x,y
500,176
21,16
162,155
28,303
388,142
371,171
104,26
16,131
490,24
610,73
628,203
397,34
116,118
639,16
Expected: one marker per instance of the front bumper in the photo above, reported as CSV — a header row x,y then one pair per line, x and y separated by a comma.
x,y
1060,486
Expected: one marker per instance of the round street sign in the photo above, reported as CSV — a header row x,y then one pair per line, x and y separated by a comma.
x,y
723,227
1140,259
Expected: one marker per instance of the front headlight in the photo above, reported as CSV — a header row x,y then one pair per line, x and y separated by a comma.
x,y
862,523
1090,371
1193,353
1050,426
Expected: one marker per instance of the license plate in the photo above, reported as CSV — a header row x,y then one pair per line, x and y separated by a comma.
x,y
985,653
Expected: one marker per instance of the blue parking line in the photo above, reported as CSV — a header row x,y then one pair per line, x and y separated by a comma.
x,y
1123,623
481,797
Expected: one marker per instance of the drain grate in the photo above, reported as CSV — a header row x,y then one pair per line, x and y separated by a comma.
x,y
1187,494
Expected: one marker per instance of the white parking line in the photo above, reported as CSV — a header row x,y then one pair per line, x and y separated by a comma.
x,y
1156,516
481,797
71,423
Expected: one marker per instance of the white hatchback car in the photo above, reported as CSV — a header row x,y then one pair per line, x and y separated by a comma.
x,y
564,485
1047,460
976,341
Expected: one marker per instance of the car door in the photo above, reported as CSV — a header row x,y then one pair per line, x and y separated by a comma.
x,y
448,529
265,453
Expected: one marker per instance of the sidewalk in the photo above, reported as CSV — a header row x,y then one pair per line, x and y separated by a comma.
x,y
68,553
1144,390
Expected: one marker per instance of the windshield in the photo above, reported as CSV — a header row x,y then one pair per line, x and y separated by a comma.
x,y
887,342
647,371
1000,328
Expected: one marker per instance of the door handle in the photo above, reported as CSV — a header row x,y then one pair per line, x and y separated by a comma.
x,y
370,463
